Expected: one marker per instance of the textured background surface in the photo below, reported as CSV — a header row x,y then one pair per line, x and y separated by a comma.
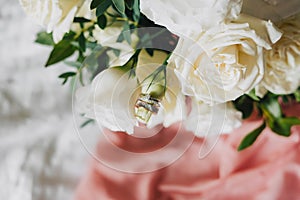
x,y
40,155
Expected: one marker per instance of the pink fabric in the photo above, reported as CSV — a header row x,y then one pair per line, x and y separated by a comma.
x,y
270,169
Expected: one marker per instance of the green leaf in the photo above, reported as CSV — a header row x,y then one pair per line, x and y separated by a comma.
x,y
81,41
245,105
45,38
95,4
102,7
69,36
120,6
117,52
66,76
136,11
126,33
61,51
150,51
89,121
297,95
129,4
251,137
120,38
285,98
81,20
157,82
73,64
253,96
271,106
102,21
91,45
282,126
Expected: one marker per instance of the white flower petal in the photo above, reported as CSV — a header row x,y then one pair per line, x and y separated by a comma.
x,y
205,120
110,100
191,16
54,15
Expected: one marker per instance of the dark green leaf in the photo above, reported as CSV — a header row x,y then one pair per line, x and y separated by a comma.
x,y
245,105
66,76
69,36
81,41
81,20
251,137
129,4
282,126
95,4
102,21
150,51
102,7
120,6
61,51
44,38
89,121
285,98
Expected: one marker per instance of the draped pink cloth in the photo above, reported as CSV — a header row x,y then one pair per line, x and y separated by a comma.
x,y
270,169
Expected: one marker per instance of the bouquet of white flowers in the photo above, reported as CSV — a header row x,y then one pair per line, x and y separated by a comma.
x,y
205,63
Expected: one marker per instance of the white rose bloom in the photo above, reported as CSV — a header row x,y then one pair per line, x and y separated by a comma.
x,y
190,17
205,120
111,98
226,61
55,15
282,75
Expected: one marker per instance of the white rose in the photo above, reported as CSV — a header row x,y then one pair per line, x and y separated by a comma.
x,y
205,120
191,16
55,15
224,62
112,97
282,75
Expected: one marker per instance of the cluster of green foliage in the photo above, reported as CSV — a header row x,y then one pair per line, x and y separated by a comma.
x,y
270,108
